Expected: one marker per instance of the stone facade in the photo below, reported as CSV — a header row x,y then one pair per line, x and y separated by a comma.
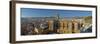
x,y
66,26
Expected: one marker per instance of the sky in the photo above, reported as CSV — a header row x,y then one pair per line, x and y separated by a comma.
x,y
34,12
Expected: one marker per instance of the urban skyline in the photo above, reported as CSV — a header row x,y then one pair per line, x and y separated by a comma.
x,y
51,21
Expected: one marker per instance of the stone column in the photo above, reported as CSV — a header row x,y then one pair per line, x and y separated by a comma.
x,y
50,25
76,27
65,26
70,27
61,27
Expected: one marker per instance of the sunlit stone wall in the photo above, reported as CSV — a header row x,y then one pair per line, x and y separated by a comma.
x,y
50,25
66,26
